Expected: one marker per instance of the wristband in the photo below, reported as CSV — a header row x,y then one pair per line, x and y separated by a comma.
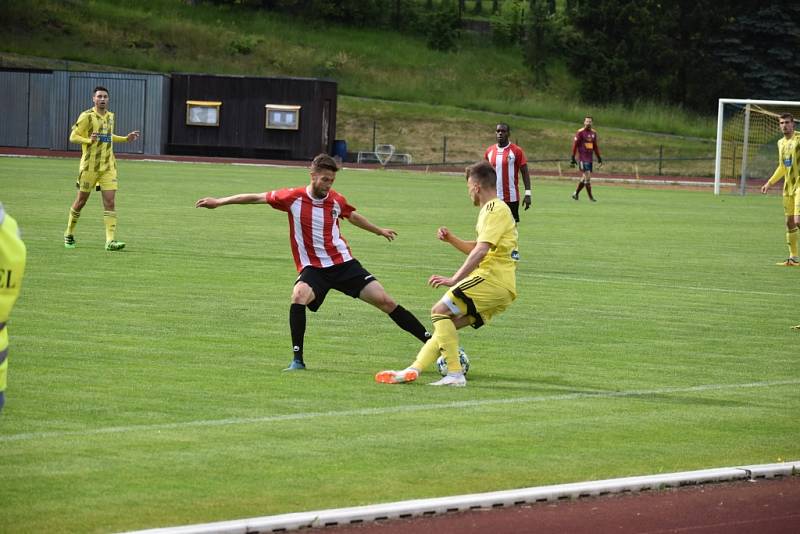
x,y
527,192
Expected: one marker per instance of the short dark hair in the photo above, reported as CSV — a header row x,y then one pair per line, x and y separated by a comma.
x,y
508,128
787,116
324,161
483,173
588,117
99,88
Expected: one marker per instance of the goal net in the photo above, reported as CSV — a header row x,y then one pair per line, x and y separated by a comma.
x,y
747,136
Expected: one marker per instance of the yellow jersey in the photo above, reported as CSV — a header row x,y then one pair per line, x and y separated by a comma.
x,y
98,156
12,267
496,226
788,164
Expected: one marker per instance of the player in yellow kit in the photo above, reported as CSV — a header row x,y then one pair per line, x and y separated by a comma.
x,y
789,170
94,131
12,267
482,287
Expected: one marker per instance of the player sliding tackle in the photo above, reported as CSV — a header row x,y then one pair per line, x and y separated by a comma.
x,y
482,287
321,254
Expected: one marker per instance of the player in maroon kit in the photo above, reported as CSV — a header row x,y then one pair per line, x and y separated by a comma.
x,y
321,254
509,162
585,144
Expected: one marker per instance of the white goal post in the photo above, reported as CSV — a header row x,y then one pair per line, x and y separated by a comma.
x,y
747,132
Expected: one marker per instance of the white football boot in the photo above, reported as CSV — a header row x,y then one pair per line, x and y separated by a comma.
x,y
456,380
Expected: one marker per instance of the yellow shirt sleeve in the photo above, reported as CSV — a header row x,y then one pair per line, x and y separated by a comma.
x,y
777,175
119,138
80,130
491,229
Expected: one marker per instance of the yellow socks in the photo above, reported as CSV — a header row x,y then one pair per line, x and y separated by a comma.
x,y
110,220
444,340
72,221
791,240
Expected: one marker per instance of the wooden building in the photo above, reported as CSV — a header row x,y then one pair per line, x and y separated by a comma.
x,y
259,117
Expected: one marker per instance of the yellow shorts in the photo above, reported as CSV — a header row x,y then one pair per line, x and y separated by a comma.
x,y
105,181
791,204
478,298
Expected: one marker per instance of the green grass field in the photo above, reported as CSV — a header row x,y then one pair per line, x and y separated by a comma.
x,y
651,335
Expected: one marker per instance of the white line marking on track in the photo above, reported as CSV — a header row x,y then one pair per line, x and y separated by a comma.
x,y
391,410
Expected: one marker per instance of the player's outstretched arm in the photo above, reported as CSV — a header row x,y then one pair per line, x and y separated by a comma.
x,y
444,234
131,137
473,260
244,198
360,221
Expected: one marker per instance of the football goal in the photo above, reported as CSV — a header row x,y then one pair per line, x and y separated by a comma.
x,y
747,133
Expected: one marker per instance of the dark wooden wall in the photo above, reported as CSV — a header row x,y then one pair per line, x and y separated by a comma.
x,y
241,131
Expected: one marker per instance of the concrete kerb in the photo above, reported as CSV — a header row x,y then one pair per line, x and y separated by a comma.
x,y
497,499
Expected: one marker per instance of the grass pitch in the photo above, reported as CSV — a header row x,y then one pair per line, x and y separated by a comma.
x,y
651,335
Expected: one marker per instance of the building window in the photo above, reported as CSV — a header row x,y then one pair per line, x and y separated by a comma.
x,y
202,113
281,117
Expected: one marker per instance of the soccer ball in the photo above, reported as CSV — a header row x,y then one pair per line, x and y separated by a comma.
x,y
441,364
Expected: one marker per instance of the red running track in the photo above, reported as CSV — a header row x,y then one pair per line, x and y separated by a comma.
x,y
763,506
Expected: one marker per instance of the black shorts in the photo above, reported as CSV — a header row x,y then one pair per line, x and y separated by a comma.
x,y
348,277
585,166
514,209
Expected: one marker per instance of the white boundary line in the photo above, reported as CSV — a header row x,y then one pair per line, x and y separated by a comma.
x,y
365,412
497,499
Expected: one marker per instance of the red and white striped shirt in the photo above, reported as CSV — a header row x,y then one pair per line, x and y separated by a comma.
x,y
314,226
506,162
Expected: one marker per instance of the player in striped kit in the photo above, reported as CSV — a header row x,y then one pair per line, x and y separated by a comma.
x,y
788,169
94,131
509,161
321,255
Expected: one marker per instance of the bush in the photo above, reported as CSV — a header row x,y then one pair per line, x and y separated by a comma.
x,y
244,44
443,28
508,26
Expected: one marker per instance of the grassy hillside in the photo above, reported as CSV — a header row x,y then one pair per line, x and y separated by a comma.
x,y
168,36
420,129
424,95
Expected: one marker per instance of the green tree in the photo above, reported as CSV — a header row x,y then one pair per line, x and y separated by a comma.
x,y
689,52
508,27
443,27
541,40
762,47
620,50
